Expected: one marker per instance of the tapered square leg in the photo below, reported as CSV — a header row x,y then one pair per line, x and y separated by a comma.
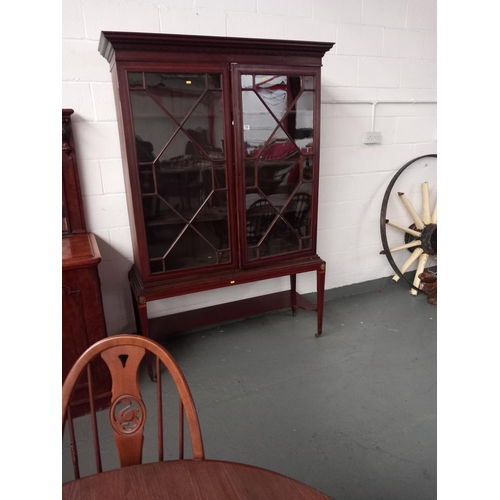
x,y
141,323
293,287
320,285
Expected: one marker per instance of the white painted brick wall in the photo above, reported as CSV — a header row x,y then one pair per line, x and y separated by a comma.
x,y
346,11
387,13
193,22
379,72
421,15
112,176
403,43
80,95
419,73
300,28
73,22
360,40
385,50
288,8
118,15
430,45
105,212
227,5
255,25
349,93
340,71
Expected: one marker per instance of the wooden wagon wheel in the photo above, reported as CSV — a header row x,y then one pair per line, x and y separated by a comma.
x,y
420,238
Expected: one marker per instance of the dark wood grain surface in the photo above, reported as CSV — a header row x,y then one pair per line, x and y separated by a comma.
x,y
80,250
209,244
189,479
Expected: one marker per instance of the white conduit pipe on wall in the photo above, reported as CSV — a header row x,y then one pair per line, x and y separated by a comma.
x,y
374,105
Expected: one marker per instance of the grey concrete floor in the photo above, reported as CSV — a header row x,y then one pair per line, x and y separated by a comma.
x,y
352,413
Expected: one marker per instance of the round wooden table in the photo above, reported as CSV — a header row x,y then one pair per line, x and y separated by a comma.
x,y
190,480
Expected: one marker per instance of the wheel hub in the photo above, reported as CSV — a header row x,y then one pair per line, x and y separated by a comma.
x,y
428,238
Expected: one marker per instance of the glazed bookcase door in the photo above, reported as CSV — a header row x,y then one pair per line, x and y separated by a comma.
x,y
278,141
182,167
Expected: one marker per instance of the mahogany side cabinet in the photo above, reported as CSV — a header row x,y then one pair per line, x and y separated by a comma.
x,y
83,321
220,141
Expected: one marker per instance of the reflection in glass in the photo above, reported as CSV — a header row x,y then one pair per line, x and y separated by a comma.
x,y
308,82
278,134
280,239
303,116
65,225
136,80
179,129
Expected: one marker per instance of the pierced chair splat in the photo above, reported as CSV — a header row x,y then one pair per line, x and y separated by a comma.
x,y
122,355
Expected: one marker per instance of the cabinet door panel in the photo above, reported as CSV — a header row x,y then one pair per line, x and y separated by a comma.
x,y
278,135
179,132
83,324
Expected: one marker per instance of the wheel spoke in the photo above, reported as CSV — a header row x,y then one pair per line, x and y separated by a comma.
x,y
405,229
420,269
434,217
411,211
426,216
414,243
413,257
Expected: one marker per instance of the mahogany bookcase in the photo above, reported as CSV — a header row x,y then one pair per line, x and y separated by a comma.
x,y
220,142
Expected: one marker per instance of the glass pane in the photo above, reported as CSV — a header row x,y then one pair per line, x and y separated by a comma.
x,y
224,257
153,128
219,170
309,82
260,215
281,239
191,250
214,81
258,123
267,233
278,122
212,222
271,82
250,173
146,179
279,167
303,127
65,225
184,180
247,81
156,266
179,129
161,238
298,213
158,212
205,125
135,80
308,169
178,94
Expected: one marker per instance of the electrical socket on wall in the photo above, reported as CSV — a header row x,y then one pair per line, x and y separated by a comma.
x,y
372,137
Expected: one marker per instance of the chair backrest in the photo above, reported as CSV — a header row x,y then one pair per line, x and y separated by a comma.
x,y
127,411
260,215
301,203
